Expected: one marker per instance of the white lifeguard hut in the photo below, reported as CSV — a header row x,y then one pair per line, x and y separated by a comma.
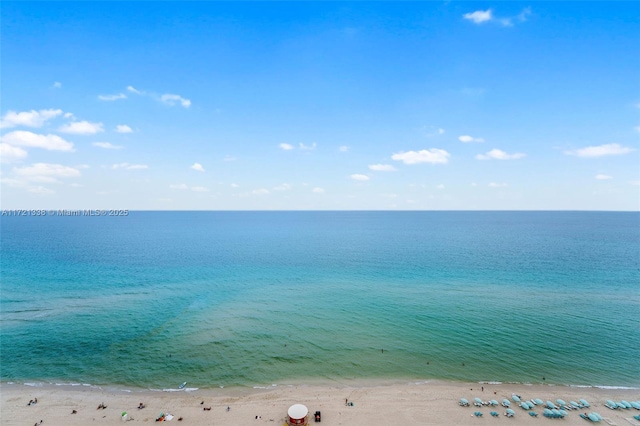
x,y
297,414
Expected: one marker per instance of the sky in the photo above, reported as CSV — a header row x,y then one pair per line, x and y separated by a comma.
x,y
320,105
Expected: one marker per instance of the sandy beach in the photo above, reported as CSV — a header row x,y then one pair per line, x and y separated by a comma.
x,y
419,403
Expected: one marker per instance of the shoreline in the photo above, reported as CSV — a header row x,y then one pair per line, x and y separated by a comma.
x,y
418,402
360,383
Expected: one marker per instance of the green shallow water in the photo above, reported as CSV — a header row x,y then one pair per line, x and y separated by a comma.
x,y
256,298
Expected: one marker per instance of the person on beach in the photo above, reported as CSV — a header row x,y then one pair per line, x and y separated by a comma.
x,y
141,406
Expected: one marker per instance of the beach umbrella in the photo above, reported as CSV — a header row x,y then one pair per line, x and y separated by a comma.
x,y
635,405
611,404
515,398
556,412
510,411
626,404
551,405
575,404
547,413
524,405
493,402
464,401
538,401
597,415
564,413
477,400
584,402
561,402
593,418
506,402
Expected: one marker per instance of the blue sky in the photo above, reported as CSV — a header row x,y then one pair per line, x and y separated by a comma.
x,y
304,105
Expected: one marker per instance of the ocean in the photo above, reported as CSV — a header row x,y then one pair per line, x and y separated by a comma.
x,y
255,299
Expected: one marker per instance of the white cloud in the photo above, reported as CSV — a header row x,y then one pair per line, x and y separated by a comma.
x,y
82,128
34,140
10,153
40,190
106,145
497,154
234,185
382,167
600,151
441,186
57,84
134,90
199,189
283,187
433,156
497,185
304,147
43,172
123,128
127,166
359,177
479,16
261,191
286,146
197,167
431,131
522,17
343,148
318,190
179,186
172,100
601,176
31,118
469,139
112,97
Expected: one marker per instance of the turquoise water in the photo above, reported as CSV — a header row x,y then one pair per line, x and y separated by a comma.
x,y
255,298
